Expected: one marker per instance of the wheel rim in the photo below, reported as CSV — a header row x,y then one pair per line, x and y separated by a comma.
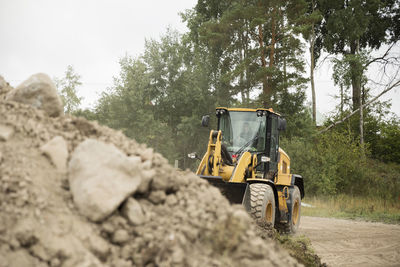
x,y
295,216
268,212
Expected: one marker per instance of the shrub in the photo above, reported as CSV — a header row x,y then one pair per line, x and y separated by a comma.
x,y
330,163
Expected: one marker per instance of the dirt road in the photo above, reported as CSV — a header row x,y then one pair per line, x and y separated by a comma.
x,y
353,243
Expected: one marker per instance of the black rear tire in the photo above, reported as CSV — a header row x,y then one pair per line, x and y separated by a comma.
x,y
292,226
262,203
295,211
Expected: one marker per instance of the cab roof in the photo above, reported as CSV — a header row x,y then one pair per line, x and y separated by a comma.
x,y
249,109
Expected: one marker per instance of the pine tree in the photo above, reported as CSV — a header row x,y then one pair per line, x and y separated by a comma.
x,y
254,43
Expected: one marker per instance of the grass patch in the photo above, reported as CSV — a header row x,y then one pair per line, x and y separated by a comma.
x,y
299,247
344,206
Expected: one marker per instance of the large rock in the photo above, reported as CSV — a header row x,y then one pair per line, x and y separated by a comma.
x,y
57,151
40,92
101,177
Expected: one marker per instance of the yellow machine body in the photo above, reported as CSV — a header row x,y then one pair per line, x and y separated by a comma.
x,y
233,177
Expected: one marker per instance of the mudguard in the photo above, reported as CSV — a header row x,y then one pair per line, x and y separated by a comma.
x,y
298,181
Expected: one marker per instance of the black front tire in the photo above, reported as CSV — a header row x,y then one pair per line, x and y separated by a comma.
x,y
262,203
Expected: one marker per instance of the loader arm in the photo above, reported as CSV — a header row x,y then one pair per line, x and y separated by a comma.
x,y
239,172
211,161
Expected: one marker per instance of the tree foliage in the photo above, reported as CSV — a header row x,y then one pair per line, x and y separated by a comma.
x,y
350,27
242,53
159,97
67,87
254,44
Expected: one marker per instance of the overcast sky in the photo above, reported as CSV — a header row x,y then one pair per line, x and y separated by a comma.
x,y
92,35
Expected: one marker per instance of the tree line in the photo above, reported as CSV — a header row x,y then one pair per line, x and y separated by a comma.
x,y
253,53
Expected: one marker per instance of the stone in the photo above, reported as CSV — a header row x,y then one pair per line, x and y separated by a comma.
x,y
171,200
4,88
57,151
133,212
160,183
99,247
147,177
55,262
3,83
101,177
40,92
25,235
157,197
146,165
126,252
178,255
147,154
40,251
5,132
108,227
120,236
159,160
19,258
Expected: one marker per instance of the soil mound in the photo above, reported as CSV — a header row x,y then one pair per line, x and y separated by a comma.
x,y
75,193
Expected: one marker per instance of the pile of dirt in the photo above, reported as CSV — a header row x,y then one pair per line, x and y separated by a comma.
x,y
75,193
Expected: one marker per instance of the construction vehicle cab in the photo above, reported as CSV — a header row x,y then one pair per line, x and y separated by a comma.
x,y
244,160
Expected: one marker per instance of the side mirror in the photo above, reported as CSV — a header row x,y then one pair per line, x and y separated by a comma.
x,y
205,120
281,124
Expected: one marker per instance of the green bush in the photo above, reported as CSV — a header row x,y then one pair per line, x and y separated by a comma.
x,y
330,163
334,163
386,142
382,180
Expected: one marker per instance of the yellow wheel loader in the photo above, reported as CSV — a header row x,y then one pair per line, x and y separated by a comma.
x,y
244,161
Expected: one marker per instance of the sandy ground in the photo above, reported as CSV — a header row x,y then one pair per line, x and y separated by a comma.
x,y
353,243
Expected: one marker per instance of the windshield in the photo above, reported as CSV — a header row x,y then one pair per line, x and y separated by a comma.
x,y
243,130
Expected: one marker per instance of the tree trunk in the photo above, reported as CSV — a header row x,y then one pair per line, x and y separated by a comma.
x,y
341,99
356,93
355,77
263,65
314,101
361,125
273,40
285,74
245,55
271,53
243,96
312,67
361,118
363,95
356,82
241,83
